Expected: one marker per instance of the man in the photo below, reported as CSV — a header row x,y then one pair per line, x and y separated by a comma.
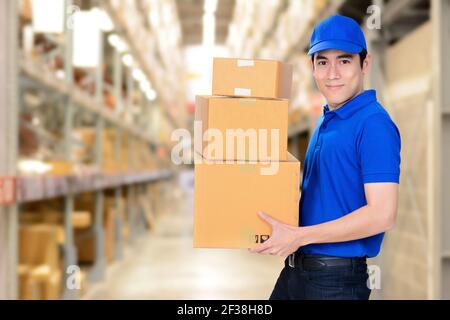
x,y
350,178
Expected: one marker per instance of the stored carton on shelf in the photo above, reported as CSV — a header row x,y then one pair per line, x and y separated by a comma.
x,y
38,245
39,283
60,167
85,238
117,155
39,262
47,215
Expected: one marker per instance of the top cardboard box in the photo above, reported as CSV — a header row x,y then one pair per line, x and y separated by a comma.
x,y
252,78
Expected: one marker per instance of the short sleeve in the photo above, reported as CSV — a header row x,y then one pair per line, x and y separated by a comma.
x,y
379,146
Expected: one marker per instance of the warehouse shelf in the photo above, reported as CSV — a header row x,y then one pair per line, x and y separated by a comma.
x,y
129,186
253,19
38,188
305,34
438,139
130,136
298,128
31,69
269,32
148,62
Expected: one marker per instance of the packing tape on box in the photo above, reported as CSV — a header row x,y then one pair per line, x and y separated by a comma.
x,y
244,92
245,63
248,101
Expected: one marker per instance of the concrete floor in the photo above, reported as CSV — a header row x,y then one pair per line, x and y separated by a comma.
x,y
163,265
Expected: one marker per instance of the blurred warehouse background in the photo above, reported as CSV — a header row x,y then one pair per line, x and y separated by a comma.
x,y
91,91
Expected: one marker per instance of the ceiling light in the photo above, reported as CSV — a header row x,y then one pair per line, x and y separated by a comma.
x,y
103,19
210,6
209,29
48,16
151,94
128,60
86,39
138,75
145,85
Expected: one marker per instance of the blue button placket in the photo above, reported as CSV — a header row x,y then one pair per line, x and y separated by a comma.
x,y
327,117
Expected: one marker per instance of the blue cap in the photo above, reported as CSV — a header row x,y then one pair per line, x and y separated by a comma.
x,y
339,33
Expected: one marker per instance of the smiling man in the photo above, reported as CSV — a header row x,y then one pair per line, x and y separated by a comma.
x,y
350,178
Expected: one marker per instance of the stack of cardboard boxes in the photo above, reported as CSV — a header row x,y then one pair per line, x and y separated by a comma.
x,y
39,269
85,237
242,162
133,154
83,152
41,238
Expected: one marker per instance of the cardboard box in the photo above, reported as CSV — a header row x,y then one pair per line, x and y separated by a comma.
x,y
52,287
27,10
60,167
110,165
38,245
39,283
110,230
252,78
85,238
258,127
227,198
39,267
27,290
47,215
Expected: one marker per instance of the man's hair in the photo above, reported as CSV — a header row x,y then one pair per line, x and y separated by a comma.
x,y
362,56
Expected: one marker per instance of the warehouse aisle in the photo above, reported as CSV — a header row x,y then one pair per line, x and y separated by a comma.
x,y
163,265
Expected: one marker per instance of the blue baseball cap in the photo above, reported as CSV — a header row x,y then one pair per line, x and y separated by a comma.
x,y
339,33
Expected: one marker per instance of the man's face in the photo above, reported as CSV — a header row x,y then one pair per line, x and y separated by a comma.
x,y
339,76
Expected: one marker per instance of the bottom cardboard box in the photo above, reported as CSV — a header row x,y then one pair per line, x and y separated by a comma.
x,y
39,282
85,238
228,196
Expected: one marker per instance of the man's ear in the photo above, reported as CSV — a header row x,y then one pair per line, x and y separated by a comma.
x,y
367,64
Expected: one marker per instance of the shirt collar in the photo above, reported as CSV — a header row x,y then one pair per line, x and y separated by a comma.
x,y
352,106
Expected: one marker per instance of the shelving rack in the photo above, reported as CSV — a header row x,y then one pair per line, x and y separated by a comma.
x,y
149,64
44,187
8,145
420,269
440,217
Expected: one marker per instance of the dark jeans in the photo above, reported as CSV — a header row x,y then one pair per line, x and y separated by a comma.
x,y
331,283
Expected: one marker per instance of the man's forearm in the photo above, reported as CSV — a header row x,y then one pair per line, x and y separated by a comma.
x,y
359,224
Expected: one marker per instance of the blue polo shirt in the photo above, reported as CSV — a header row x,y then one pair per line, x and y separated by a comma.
x,y
351,146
